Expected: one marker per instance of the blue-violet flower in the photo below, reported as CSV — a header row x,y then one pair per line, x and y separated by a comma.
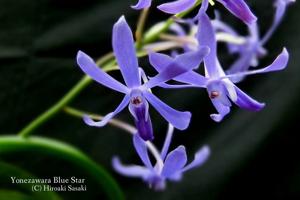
x,y
220,88
169,166
237,7
137,95
252,49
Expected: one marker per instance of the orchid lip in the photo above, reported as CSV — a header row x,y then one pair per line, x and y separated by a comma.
x,y
139,109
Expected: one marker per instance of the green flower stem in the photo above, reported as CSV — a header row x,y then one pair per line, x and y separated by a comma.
x,y
66,99
114,122
104,59
108,63
140,27
11,144
41,119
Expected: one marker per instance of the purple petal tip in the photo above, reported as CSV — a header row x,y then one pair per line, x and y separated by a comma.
x,y
80,54
187,119
216,117
121,20
141,4
176,6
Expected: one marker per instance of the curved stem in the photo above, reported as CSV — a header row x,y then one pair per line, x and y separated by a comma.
x,y
41,119
117,123
10,144
107,57
167,142
140,27
114,122
66,99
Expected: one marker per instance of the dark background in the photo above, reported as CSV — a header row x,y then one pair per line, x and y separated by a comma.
x,y
254,155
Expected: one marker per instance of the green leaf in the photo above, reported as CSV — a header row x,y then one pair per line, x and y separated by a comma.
x,y
7,171
14,195
13,144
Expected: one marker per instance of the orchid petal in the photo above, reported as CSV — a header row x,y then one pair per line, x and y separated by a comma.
x,y
229,88
188,60
141,149
142,120
240,65
174,162
109,116
176,176
181,64
206,37
278,64
204,6
239,9
89,67
156,182
179,120
201,157
124,50
222,110
161,61
193,78
130,170
177,86
177,6
192,59
246,102
141,4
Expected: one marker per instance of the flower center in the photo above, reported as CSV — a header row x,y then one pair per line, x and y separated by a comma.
x,y
136,100
214,94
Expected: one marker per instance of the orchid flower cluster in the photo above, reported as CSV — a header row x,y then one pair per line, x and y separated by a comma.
x,y
198,45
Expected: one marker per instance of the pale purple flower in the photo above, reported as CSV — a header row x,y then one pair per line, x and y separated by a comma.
x,y
237,7
281,6
253,47
137,95
220,88
168,166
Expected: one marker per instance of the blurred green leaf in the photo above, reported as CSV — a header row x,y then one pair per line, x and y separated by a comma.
x,y
14,195
11,144
7,171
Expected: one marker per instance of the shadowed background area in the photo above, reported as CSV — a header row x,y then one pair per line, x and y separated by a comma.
x,y
254,155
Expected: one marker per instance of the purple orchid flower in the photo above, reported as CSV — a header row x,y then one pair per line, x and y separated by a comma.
x,y
220,88
281,6
237,7
168,166
137,95
253,47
